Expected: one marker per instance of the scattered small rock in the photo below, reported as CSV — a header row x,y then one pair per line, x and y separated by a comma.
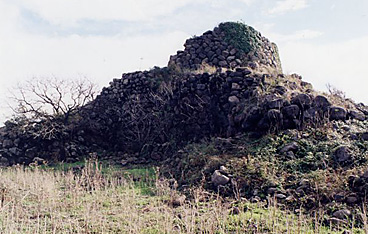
x,y
342,214
38,160
280,196
219,179
293,146
224,170
233,99
351,199
271,190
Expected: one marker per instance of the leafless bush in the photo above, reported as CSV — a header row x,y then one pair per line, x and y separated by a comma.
x,y
44,107
336,92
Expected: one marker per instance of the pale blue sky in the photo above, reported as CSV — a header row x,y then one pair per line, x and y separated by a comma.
x,y
325,41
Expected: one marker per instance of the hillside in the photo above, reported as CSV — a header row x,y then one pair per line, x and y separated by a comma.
x,y
221,115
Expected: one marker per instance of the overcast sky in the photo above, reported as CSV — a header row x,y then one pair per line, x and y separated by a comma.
x,y
325,41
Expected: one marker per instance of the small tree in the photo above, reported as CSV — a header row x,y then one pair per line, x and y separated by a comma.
x,y
46,107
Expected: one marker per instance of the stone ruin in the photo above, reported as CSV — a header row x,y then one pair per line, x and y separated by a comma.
x,y
225,82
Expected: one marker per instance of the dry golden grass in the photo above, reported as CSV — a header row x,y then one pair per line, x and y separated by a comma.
x,y
35,200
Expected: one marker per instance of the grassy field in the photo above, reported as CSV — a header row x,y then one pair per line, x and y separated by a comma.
x,y
91,198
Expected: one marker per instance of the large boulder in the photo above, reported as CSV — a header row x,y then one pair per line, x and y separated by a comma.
x,y
321,102
291,112
337,113
303,100
356,114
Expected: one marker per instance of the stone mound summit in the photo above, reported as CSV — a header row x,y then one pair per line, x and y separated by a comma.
x,y
229,45
225,82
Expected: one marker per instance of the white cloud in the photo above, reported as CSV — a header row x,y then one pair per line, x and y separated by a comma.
x,y
248,2
296,36
343,65
269,31
68,12
288,5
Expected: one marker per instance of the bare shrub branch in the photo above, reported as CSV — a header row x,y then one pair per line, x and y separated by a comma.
x,y
50,101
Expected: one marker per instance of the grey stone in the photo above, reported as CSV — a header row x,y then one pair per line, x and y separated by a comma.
x,y
219,179
17,142
339,197
225,53
342,214
233,51
235,86
358,115
321,102
30,153
15,151
303,100
230,58
7,143
233,99
352,199
38,160
280,196
342,154
291,112
280,89
233,64
293,146
124,162
223,63
4,162
337,113
271,190
224,170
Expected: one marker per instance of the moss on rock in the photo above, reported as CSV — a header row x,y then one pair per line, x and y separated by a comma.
x,y
241,36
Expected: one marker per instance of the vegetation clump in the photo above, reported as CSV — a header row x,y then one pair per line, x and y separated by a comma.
x,y
241,36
